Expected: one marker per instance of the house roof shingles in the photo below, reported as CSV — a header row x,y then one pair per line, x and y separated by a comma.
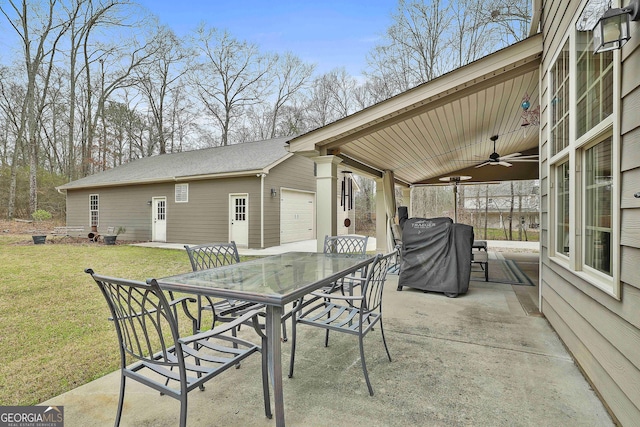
x,y
230,159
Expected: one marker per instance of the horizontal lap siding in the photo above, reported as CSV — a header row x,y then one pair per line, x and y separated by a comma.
x,y
602,333
296,173
205,218
118,206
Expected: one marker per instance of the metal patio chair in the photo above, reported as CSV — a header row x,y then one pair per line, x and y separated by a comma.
x,y
214,255
147,328
354,245
354,315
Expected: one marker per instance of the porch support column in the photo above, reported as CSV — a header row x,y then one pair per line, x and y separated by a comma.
x,y
326,198
406,199
381,218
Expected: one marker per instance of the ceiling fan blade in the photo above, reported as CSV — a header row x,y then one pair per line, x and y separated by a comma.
x,y
509,156
533,156
501,163
519,160
483,164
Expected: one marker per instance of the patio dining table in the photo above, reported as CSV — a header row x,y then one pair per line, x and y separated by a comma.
x,y
275,281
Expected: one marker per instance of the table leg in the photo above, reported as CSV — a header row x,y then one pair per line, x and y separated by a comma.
x,y
274,352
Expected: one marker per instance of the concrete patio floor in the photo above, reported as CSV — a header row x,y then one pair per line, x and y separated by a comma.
x,y
477,360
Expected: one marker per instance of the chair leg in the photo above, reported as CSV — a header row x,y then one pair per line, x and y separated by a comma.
x,y
183,409
284,331
326,333
364,364
384,341
234,333
265,379
120,400
293,344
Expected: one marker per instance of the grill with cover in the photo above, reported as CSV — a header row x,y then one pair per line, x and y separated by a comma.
x,y
436,254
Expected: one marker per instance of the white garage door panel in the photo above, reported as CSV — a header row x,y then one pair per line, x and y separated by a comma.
x,y
297,213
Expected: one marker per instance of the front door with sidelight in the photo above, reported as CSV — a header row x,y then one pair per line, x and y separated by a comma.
x,y
239,216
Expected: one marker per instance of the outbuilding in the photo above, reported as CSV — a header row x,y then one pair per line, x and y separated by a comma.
x,y
256,194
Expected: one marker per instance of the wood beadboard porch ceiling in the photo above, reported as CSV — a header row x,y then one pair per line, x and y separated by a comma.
x,y
442,127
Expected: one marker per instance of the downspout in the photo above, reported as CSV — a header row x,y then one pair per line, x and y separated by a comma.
x,y
536,14
262,176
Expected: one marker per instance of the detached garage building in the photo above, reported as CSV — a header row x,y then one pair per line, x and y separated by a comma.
x,y
257,194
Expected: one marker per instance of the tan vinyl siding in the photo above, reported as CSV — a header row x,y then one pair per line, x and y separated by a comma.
x,y
298,174
126,208
602,333
205,217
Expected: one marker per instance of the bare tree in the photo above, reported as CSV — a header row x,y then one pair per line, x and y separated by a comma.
x,y
427,39
114,66
287,82
291,76
331,98
156,80
39,31
85,17
412,51
230,76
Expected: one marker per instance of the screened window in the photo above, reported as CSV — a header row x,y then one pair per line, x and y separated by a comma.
x,y
182,193
93,210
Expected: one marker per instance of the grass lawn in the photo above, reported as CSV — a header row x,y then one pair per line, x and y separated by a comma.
x,y
55,333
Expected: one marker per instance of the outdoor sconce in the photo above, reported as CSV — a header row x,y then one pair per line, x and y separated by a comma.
x,y
612,30
149,202
273,192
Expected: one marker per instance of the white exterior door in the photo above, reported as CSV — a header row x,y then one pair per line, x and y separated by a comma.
x,y
297,214
159,220
239,219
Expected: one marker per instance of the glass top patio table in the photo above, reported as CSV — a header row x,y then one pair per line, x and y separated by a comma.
x,y
273,280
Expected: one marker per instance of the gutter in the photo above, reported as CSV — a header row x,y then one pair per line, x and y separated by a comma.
x,y
164,180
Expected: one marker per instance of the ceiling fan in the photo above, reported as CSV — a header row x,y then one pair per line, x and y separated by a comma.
x,y
497,159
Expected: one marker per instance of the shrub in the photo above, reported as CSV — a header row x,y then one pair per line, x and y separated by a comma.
x,y
41,215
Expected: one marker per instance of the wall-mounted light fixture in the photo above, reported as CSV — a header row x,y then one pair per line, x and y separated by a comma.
x,y
149,202
612,30
274,193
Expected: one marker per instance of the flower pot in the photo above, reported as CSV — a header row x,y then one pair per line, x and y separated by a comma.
x,y
110,240
39,240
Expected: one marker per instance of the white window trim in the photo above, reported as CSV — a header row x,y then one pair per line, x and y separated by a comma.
x,y
184,191
576,151
97,210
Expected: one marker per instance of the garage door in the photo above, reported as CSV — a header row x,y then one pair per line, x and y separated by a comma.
x,y
297,214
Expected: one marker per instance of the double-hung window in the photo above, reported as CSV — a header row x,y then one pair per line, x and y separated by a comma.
x,y
93,210
583,137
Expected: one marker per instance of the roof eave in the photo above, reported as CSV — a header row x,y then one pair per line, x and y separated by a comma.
x,y
524,52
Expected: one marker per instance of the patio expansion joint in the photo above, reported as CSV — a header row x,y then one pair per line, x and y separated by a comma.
x,y
496,347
